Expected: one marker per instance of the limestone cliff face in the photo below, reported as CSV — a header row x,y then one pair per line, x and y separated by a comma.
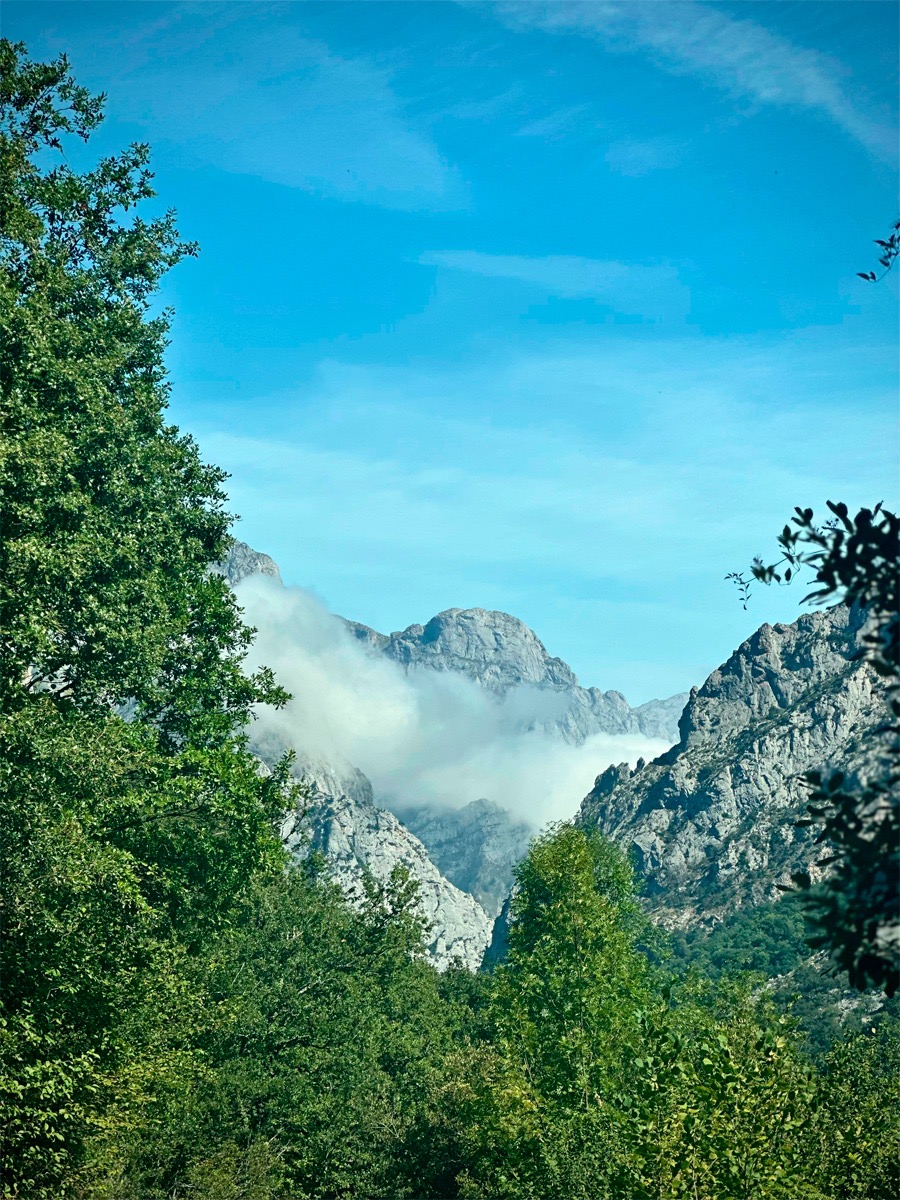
x,y
497,650
712,822
352,832
501,653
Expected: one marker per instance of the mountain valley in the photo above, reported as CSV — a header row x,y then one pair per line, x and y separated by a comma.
x,y
710,823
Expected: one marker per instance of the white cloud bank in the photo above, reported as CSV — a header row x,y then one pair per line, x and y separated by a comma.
x,y
425,738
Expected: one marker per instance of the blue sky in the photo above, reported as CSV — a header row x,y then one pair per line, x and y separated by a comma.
x,y
546,307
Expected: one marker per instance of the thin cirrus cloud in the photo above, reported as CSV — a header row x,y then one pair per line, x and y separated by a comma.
x,y
652,291
400,491
639,157
335,126
738,55
225,86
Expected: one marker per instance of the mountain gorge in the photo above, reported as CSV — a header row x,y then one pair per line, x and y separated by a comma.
x,y
462,856
343,823
476,847
710,823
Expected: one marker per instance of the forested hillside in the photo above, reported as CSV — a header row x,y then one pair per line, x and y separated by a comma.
x,y
186,1012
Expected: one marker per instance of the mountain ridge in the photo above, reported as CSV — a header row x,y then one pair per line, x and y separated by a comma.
x,y
502,653
462,858
711,823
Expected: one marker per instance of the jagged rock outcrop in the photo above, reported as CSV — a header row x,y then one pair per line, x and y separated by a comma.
x,y
501,653
496,650
475,847
242,560
344,824
712,821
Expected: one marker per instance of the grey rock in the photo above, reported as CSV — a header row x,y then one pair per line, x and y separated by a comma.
x,y
475,847
659,718
369,637
502,654
496,650
344,824
242,561
712,821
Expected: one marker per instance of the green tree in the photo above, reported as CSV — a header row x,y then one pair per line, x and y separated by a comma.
x,y
723,1104
858,1125
566,1011
110,520
770,941
322,1037
610,1081
132,818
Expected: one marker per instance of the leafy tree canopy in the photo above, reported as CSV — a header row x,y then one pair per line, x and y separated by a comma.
x,y
132,819
110,519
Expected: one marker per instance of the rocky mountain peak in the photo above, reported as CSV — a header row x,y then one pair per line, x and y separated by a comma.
x,y
242,560
501,653
495,649
769,673
712,822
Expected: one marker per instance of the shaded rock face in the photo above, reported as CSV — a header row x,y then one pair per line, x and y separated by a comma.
x,y
344,824
476,847
712,821
501,653
498,947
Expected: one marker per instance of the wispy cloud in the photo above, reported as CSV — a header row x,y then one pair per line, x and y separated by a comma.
x,y
634,289
331,125
635,158
736,54
552,126
229,86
